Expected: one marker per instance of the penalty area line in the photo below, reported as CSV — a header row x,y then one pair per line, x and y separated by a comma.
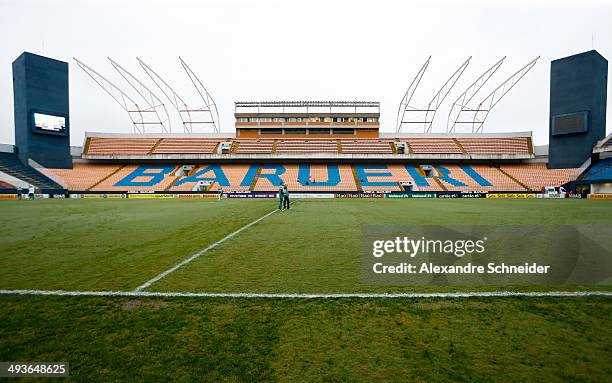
x,y
199,253
467,294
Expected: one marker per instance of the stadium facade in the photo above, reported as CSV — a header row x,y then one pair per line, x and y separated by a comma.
x,y
313,146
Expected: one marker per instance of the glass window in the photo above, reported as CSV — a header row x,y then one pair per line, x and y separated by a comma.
x,y
270,131
344,131
295,131
318,131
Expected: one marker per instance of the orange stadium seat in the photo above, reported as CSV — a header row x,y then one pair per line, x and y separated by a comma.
x,y
83,176
253,146
500,181
145,182
433,145
185,145
234,173
366,146
307,146
453,177
497,179
398,173
318,174
264,184
109,146
511,145
537,175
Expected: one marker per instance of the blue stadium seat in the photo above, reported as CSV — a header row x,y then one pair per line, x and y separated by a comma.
x,y
601,171
10,164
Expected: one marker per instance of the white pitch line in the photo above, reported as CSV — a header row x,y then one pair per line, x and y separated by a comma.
x,y
199,253
467,294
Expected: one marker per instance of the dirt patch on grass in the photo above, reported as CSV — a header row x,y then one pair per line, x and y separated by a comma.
x,y
136,304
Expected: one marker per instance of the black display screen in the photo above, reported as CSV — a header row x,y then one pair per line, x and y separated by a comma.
x,y
570,123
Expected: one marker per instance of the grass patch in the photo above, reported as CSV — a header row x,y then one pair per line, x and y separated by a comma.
x,y
476,339
108,245
120,244
315,247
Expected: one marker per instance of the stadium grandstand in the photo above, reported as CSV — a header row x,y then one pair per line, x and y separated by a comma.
x,y
463,162
312,146
322,152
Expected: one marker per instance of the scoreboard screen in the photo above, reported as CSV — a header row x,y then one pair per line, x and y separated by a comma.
x,y
570,123
49,124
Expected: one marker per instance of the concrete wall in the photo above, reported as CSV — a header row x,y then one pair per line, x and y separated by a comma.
x,y
601,188
40,84
577,83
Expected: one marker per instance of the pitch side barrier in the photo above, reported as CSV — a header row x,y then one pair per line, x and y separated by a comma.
x,y
40,193
12,194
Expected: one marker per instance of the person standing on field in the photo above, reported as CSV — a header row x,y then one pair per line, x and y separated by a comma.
x,y
286,196
281,197
220,191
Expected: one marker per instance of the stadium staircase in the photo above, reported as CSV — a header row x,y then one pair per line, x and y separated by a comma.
x,y
356,177
410,151
460,146
393,148
530,146
86,146
436,178
155,146
274,145
213,186
173,174
255,179
107,177
512,178
11,165
442,186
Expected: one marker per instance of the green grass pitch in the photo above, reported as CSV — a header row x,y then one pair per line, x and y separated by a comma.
x,y
102,245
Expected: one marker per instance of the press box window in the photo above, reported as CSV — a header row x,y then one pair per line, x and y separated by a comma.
x,y
318,131
344,131
295,131
271,131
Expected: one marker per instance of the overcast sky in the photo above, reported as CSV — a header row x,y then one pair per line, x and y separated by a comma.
x,y
307,50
